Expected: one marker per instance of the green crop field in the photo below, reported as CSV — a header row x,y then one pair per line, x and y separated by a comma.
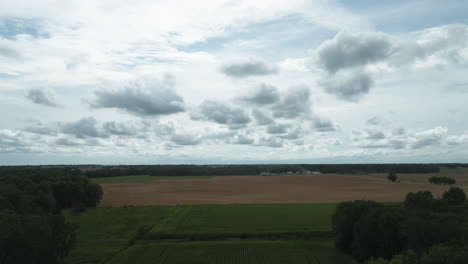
x,y
142,178
105,231
233,252
249,233
249,219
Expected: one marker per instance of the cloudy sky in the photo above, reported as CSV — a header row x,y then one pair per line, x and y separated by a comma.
x,y
223,81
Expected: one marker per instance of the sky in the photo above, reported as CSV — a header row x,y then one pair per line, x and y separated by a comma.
x,y
226,82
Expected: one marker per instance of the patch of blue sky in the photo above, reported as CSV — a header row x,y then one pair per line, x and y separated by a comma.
x,y
292,35
399,16
10,27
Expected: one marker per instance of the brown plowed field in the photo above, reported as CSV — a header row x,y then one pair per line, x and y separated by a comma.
x,y
321,188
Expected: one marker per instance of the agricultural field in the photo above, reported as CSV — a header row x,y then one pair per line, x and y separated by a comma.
x,y
248,219
289,188
233,252
104,231
254,233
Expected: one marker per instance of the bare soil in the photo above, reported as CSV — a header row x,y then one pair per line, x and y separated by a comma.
x,y
320,188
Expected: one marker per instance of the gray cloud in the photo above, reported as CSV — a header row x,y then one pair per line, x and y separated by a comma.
x,y
118,128
278,128
186,139
43,97
261,118
349,87
323,125
243,140
373,121
249,68
296,103
262,95
40,128
349,50
429,138
83,128
142,100
271,142
346,56
222,114
8,51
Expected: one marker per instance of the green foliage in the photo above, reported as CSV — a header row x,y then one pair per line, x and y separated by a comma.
x,y
442,180
392,177
41,239
32,230
420,199
408,257
377,234
455,196
346,216
424,229
446,254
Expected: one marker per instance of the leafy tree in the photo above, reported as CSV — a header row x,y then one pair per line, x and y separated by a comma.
x,y
442,180
347,214
455,196
420,199
32,229
392,177
378,234
423,229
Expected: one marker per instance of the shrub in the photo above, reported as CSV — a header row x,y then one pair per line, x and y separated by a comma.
x,y
392,177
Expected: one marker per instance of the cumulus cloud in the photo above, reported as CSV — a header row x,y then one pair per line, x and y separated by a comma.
x,y
222,114
119,128
323,125
249,68
271,142
349,50
142,99
186,139
295,103
264,94
83,128
261,117
350,87
40,128
429,137
457,140
278,128
348,58
242,140
43,97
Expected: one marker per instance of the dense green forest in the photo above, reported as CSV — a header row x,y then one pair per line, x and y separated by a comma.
x,y
422,230
32,227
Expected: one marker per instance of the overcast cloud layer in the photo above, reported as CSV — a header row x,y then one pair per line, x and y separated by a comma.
x,y
153,82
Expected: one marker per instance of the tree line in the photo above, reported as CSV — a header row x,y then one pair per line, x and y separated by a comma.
x,y
442,180
220,170
420,230
32,227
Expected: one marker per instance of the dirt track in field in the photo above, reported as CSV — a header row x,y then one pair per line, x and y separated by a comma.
x,y
321,188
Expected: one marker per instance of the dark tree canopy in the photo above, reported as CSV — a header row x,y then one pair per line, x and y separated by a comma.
x,y
442,180
392,177
455,196
32,228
